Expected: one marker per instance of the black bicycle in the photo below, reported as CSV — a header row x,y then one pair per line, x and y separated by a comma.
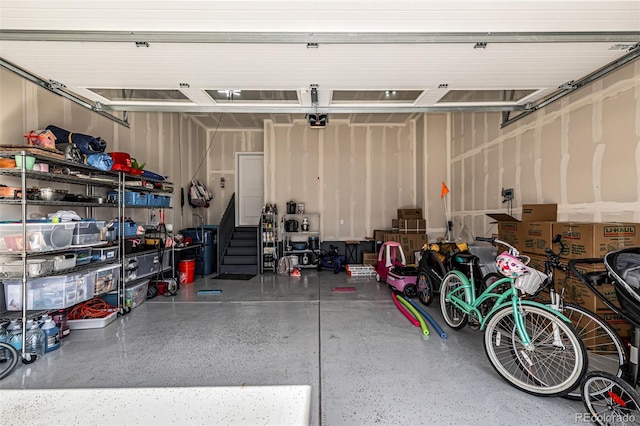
x,y
440,258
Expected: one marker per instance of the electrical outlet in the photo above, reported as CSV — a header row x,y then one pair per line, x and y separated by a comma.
x,y
341,221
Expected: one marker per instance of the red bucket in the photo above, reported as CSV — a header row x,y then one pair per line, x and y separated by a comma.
x,y
187,269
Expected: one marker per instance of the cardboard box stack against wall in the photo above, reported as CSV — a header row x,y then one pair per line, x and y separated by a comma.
x,y
409,229
534,233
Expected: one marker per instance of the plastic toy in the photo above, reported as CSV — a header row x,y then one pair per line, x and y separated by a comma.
x,y
392,267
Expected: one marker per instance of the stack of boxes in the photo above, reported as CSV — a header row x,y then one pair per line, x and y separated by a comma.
x,y
409,229
535,232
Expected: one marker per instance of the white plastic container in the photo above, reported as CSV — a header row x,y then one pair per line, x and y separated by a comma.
x,y
63,261
41,236
35,268
84,324
44,293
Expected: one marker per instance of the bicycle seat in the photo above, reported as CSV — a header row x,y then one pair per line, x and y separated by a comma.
x,y
465,257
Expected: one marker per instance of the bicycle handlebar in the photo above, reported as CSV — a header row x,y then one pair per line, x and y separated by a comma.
x,y
512,250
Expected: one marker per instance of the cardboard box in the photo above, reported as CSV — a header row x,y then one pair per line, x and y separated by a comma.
x,y
537,237
512,230
530,213
378,234
369,258
409,213
539,212
412,243
512,233
392,236
409,226
596,239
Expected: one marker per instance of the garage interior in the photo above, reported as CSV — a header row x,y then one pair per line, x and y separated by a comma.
x,y
541,97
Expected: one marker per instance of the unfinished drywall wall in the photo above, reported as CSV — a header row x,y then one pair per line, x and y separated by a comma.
x,y
436,170
582,152
163,141
355,175
220,153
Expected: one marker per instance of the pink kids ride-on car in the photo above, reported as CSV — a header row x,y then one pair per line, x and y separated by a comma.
x,y
392,268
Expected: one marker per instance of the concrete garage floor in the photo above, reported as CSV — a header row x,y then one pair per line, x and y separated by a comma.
x,y
365,362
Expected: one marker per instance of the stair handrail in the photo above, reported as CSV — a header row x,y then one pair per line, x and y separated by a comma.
x,y
226,227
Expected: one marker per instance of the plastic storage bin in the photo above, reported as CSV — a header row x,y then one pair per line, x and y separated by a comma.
x,y
83,256
87,232
165,201
133,295
41,236
130,230
35,268
63,261
47,293
84,324
100,254
106,279
148,264
131,198
154,200
136,294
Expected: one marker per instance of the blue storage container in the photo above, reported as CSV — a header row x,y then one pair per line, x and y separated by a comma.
x,y
154,200
165,201
130,229
131,198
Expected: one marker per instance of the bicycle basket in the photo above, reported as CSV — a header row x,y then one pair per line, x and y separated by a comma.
x,y
530,282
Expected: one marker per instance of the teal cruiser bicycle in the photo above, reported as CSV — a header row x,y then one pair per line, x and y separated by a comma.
x,y
530,345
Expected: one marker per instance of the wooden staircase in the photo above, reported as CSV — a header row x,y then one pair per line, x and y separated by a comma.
x,y
242,253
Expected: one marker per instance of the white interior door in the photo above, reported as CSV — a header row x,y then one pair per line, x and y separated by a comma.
x,y
250,187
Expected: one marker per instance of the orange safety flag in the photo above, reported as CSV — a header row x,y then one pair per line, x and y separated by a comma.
x,y
444,191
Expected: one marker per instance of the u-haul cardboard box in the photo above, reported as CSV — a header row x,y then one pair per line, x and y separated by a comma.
x,y
537,236
596,239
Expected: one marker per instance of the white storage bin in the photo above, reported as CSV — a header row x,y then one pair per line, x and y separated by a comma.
x,y
41,236
44,293
35,267
84,324
62,261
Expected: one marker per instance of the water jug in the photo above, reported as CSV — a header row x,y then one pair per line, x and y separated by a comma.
x,y
42,320
34,340
60,318
13,324
15,338
51,334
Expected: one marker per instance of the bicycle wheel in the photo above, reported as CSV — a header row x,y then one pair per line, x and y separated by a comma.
x,y
454,317
605,350
10,357
551,365
425,289
609,400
